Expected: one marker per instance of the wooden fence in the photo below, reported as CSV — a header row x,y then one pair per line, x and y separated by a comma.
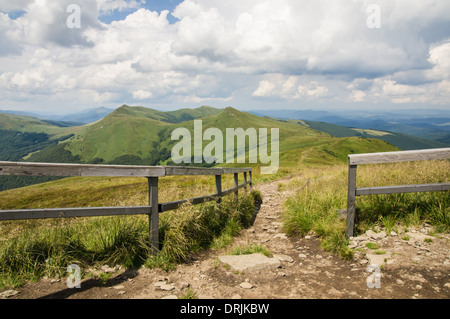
x,y
388,157
152,173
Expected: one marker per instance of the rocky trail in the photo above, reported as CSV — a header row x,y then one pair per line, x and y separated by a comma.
x,y
410,264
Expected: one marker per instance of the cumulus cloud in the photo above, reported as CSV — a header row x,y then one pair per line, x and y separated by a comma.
x,y
357,96
45,23
229,51
440,58
8,36
8,6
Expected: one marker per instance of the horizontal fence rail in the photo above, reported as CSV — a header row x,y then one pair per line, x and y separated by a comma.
x,y
388,157
152,173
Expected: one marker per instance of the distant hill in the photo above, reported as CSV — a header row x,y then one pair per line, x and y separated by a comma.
x,y
139,135
133,135
73,119
402,141
21,136
414,129
129,131
86,116
23,123
142,136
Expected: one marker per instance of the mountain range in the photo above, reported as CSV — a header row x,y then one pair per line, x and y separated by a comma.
x,y
73,119
142,136
432,124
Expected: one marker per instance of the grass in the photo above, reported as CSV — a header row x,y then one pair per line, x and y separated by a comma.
x,y
411,209
372,246
324,192
190,294
250,249
314,208
32,249
32,255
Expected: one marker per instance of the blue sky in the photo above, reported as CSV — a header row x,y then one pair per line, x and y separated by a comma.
x,y
248,54
152,5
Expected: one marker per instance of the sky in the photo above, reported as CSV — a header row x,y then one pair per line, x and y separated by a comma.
x,y
66,56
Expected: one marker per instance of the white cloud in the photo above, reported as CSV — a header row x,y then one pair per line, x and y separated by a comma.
x,y
8,5
265,88
228,51
357,96
9,35
45,23
142,95
312,90
440,58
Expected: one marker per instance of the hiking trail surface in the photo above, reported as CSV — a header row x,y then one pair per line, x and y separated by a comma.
x,y
297,268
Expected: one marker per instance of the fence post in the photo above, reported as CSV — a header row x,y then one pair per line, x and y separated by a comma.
x,y
245,182
154,214
251,179
236,185
219,188
351,200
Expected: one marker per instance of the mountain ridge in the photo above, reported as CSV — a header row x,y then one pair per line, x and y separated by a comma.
x,y
142,136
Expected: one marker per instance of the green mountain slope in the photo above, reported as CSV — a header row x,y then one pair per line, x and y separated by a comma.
x,y
129,131
22,136
142,136
402,141
139,135
131,134
22,123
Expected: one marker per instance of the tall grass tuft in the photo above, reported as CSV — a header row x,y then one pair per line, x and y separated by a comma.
x,y
120,240
34,255
314,209
192,228
315,206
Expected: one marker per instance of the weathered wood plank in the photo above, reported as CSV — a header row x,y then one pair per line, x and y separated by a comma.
x,y
232,190
351,200
57,169
236,186
402,156
402,189
197,200
194,201
19,214
233,170
245,181
181,170
154,214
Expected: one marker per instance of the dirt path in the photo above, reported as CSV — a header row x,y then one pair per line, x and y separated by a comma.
x,y
412,269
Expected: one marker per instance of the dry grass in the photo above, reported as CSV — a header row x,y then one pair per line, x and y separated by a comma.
x,y
324,192
31,249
